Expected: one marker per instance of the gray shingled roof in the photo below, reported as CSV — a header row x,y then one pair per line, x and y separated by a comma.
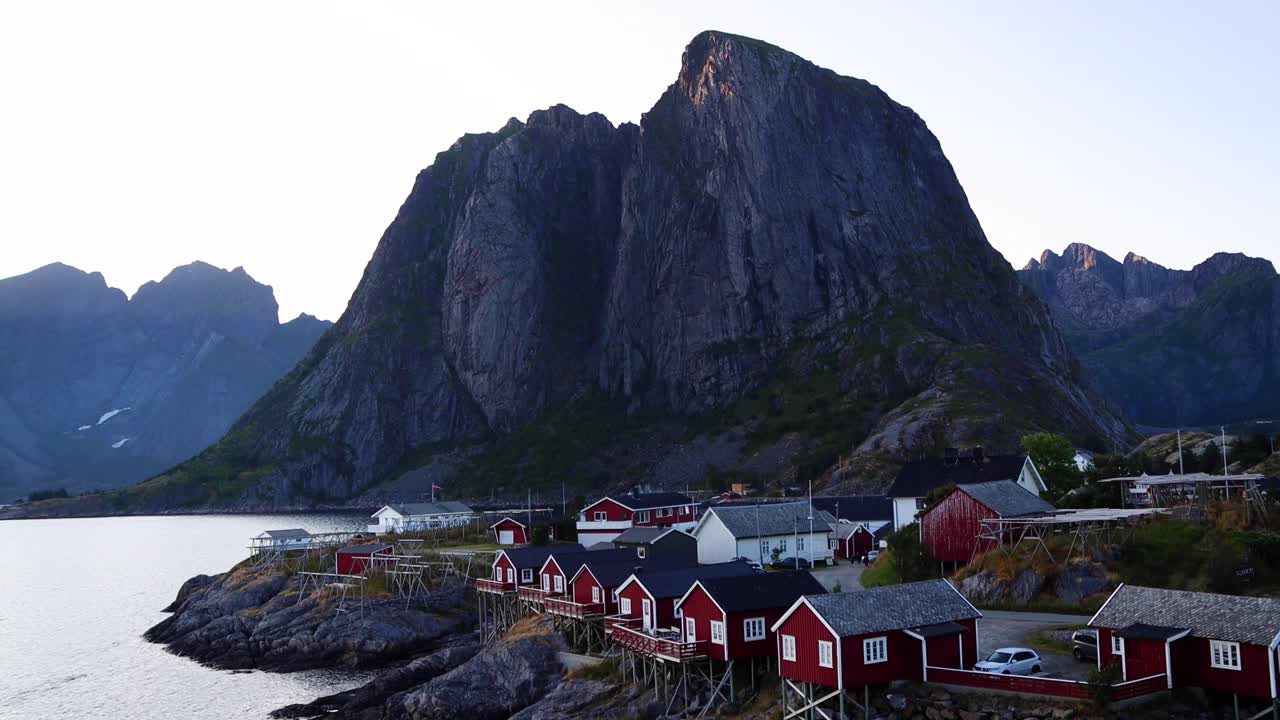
x,y
1207,615
443,507
290,534
640,535
893,607
773,519
1007,498
534,555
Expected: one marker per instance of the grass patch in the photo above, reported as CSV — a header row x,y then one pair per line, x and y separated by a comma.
x,y
881,572
1046,641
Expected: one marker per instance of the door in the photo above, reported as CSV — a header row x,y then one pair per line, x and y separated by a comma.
x,y
506,537
690,630
646,614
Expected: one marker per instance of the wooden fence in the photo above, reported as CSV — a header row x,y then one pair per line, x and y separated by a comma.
x,y
1053,687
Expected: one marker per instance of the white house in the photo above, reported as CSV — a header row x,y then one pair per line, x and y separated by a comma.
x,y
916,479
408,517
290,539
763,532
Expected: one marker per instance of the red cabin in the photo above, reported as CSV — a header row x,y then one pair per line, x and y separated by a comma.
x,y
1225,643
508,531
951,527
355,559
870,637
518,567
733,616
560,567
606,518
648,599
854,540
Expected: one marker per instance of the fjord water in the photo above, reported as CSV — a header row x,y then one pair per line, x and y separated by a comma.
x,y
76,596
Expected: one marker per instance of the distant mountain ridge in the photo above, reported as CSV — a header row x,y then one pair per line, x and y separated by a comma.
x,y
1170,347
775,275
99,390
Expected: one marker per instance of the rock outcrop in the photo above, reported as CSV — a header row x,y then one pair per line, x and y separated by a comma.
x,y
99,390
776,268
248,618
1170,347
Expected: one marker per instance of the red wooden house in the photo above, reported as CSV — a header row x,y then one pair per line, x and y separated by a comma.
x,y
518,567
647,600
951,527
560,567
355,559
1225,643
869,637
854,540
509,531
733,616
608,517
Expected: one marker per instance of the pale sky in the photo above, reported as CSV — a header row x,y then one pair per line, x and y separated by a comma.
x,y
283,136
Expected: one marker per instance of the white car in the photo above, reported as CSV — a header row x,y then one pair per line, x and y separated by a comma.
x,y
873,555
1011,661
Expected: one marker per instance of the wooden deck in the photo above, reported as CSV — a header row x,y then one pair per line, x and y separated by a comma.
x,y
663,644
569,608
493,586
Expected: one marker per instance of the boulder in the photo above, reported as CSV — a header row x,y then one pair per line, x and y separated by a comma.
x,y
1079,581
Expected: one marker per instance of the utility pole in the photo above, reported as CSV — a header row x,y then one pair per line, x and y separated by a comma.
x,y
1224,449
795,538
810,545
1181,471
759,537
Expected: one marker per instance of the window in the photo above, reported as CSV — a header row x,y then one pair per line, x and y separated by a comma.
x,y
546,583
559,583
717,632
824,654
875,650
526,575
511,575
600,516
595,594
686,510
1117,644
640,552
919,503
624,605
764,548
800,544
497,573
642,517
753,629
1225,655
782,545
690,630
831,544
789,647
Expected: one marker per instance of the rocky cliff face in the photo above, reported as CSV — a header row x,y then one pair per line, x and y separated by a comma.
x,y
775,269
1171,347
99,390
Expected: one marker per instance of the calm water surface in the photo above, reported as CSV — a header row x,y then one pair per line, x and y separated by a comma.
x,y
76,596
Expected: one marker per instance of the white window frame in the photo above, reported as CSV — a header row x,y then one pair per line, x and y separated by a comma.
x,y
624,605
511,575
600,515
782,545
751,624
546,583
717,632
1225,655
789,648
497,573
875,650
642,516
595,594
764,548
559,583
800,544
526,575
1117,644
826,654
647,620
640,552
690,630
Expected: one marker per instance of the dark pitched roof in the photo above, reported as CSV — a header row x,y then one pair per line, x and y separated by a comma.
x,y
612,572
652,500
534,556
1250,620
764,520
1007,498
573,560
364,549
641,535
858,508
675,582
883,531
893,607
761,591
917,478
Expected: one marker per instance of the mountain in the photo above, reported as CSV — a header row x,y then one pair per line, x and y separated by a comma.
x,y
97,390
776,275
1170,347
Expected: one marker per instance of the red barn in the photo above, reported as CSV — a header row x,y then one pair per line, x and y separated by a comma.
x,y
1225,643
870,637
950,528
608,517
355,559
508,531
733,616
648,599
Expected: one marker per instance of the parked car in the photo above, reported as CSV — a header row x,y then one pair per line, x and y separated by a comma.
x,y
1084,645
1011,661
872,555
754,565
790,564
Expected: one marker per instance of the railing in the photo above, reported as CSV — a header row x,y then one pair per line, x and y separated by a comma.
x,y
494,586
649,644
535,594
620,621
1029,685
569,608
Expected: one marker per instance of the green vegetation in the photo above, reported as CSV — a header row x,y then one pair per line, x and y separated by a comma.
x,y
906,560
882,572
39,495
1054,457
